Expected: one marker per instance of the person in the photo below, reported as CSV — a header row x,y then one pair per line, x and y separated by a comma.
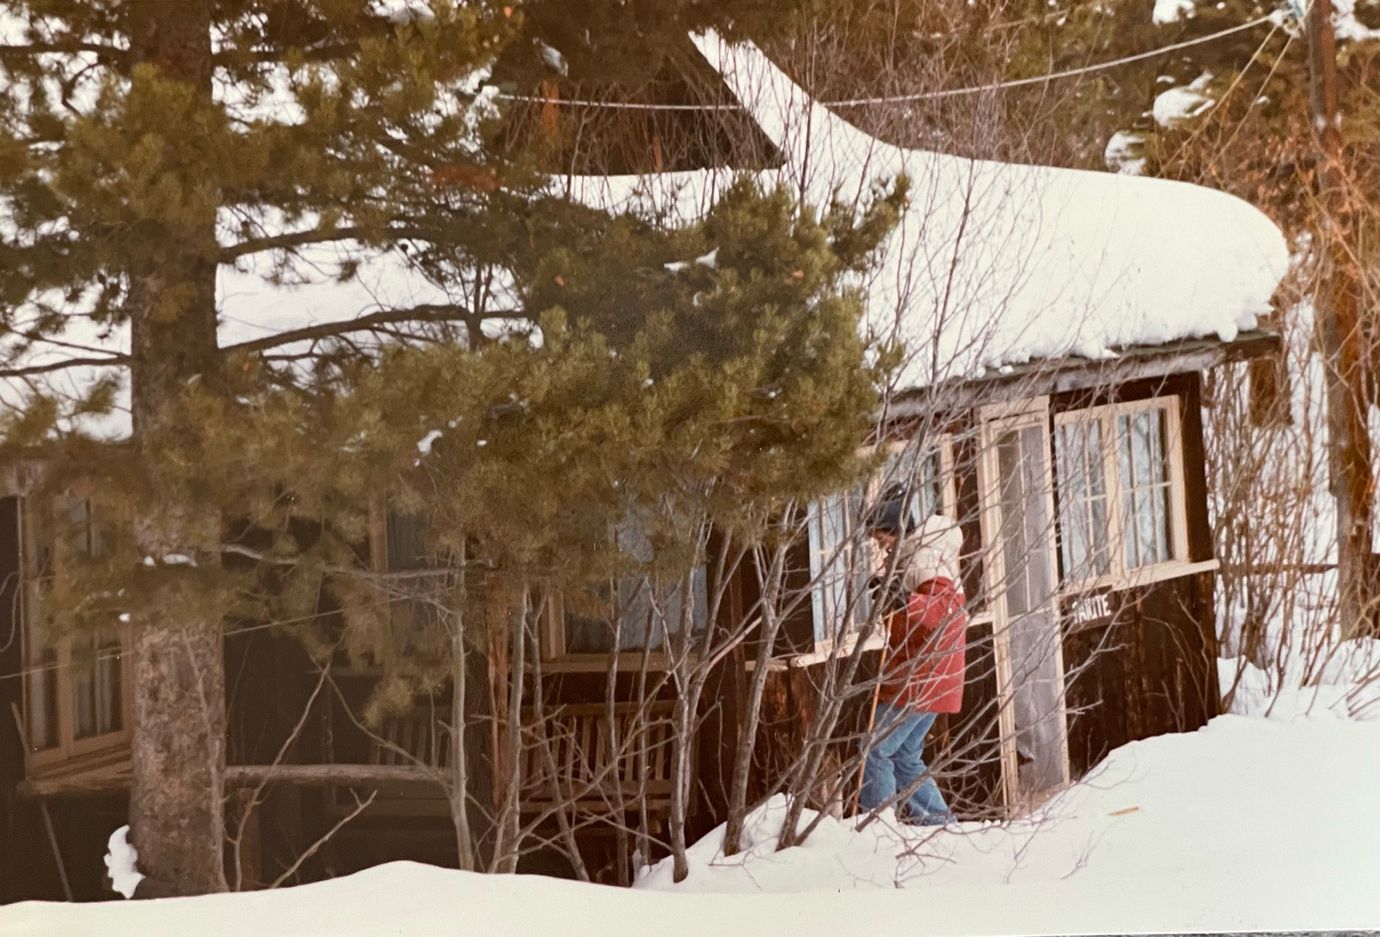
x,y
923,673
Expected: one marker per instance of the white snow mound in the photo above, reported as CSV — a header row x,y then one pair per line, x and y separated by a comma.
x,y
121,860
1248,824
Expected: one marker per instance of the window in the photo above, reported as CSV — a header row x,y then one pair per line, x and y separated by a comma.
x,y
1086,503
839,566
399,545
842,559
921,475
635,613
74,695
1022,504
1120,490
1145,487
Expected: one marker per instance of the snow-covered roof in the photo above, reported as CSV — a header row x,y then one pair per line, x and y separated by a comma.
x,y
996,263
992,264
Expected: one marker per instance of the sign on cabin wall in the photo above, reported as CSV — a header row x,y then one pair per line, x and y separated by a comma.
x,y
1088,609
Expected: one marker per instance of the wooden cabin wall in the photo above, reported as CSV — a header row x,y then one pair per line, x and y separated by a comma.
x,y
965,748
722,715
1151,667
29,858
13,846
269,679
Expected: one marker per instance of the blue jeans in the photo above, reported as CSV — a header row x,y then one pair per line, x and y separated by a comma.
x,y
895,763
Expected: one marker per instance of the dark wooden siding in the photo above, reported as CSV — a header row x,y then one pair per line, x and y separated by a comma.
x,y
11,689
1152,669
966,747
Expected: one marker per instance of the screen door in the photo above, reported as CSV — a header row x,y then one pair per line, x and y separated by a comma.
x,y
1019,530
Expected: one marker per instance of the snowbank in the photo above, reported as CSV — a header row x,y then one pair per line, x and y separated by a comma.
x,y
1247,824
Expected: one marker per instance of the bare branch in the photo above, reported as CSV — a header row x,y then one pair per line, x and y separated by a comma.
x,y
360,807
231,252
373,321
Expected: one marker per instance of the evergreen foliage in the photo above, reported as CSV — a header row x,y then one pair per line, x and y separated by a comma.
x,y
574,381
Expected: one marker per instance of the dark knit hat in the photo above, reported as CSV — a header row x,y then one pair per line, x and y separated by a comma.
x,y
888,517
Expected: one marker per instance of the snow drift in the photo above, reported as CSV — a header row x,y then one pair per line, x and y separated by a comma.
x,y
1247,824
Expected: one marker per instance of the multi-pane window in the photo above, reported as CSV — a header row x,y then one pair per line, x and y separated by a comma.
x,y
74,692
838,567
915,474
1022,484
1145,487
842,557
633,613
1119,510
1086,503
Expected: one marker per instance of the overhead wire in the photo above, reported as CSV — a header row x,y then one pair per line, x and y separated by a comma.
x,y
920,95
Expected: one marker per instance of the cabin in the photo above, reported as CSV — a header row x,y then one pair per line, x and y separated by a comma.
x,y
1054,410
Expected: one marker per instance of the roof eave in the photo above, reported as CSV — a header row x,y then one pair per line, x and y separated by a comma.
x,y
1054,376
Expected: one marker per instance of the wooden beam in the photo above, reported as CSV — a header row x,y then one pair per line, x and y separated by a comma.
x,y
85,784
328,775
93,783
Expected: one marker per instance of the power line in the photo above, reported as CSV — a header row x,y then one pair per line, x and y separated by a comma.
x,y
909,98
1054,76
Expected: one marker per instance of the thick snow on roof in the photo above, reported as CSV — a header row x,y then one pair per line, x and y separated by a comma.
x,y
993,263
997,263
249,306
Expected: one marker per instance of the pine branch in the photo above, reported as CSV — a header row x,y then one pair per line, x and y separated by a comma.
x,y
33,336
319,236
373,321
32,369
319,53
30,49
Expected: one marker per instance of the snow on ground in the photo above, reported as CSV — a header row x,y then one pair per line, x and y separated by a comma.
x,y
1171,11
1251,823
1125,153
121,863
1180,105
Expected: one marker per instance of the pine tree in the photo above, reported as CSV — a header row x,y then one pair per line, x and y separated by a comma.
x,y
150,144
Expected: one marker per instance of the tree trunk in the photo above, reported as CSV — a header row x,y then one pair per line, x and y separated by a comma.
x,y
177,791
1340,335
772,621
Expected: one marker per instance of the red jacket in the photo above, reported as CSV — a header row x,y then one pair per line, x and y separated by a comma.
x,y
924,665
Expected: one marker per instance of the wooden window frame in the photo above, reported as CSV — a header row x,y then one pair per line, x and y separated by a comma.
x,y
555,658
1119,577
873,488
550,611
824,557
992,420
69,753
948,488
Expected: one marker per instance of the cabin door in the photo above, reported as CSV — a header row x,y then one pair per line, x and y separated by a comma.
x,y
1022,583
